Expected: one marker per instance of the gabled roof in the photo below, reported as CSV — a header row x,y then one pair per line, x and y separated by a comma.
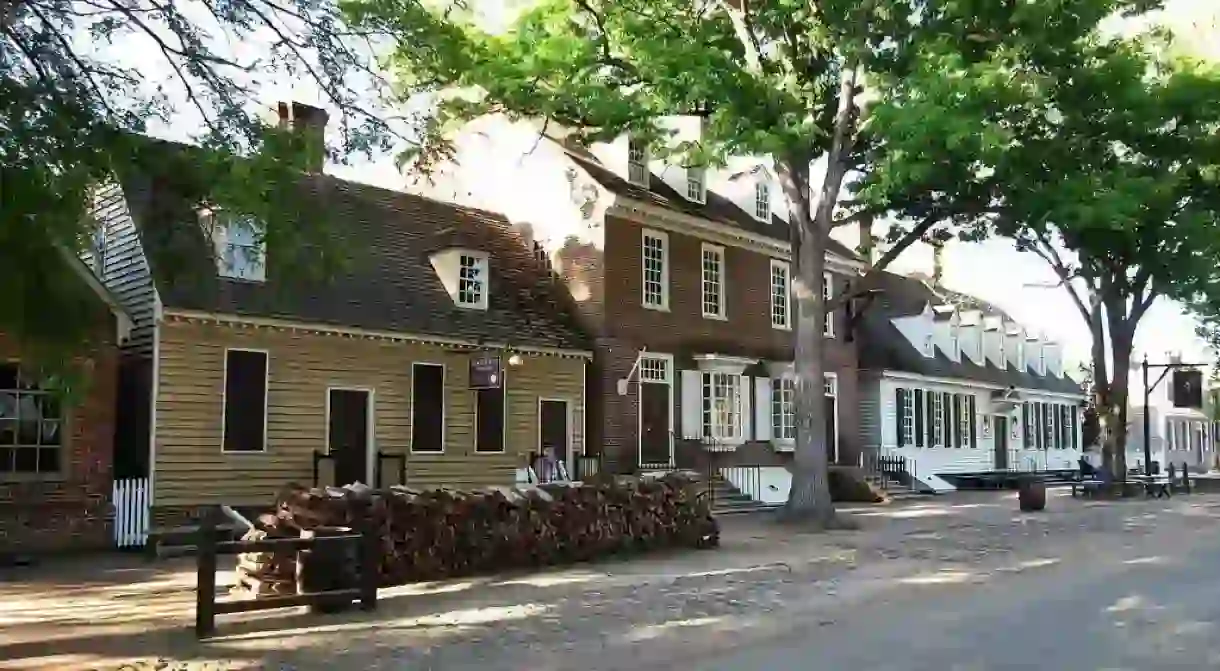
x,y
387,282
883,347
717,208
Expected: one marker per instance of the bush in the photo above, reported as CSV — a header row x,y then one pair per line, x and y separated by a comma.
x,y
426,535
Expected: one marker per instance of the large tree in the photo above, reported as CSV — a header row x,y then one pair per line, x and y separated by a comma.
x,y
78,82
780,78
1100,155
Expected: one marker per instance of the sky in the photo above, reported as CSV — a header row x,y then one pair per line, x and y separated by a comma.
x,y
1021,284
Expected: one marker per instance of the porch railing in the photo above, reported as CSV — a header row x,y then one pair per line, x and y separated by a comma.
x,y
396,460
890,469
543,471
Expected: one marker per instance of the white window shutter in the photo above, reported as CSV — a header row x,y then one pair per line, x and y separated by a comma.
x,y
762,408
745,396
692,405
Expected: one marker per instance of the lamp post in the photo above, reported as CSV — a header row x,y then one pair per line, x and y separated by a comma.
x,y
1148,389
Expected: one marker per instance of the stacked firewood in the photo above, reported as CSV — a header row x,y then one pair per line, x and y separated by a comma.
x,y
426,535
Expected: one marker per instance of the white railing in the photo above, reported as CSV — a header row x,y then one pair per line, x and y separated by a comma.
x,y
131,501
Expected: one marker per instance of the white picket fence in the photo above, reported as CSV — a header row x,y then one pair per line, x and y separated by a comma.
x,y
131,503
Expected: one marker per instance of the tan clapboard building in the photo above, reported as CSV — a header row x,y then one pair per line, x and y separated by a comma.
x,y
440,353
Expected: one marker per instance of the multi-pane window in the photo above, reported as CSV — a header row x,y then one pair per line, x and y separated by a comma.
x,y
927,418
713,281
31,424
637,162
783,408
781,295
762,200
696,184
656,270
828,328
427,407
240,245
1050,426
722,406
472,281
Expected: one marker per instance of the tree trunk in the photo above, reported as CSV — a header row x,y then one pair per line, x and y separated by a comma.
x,y
809,498
1116,409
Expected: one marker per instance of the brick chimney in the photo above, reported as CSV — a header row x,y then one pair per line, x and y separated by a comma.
x,y
310,121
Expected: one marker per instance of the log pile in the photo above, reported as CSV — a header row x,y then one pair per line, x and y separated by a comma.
x,y
427,535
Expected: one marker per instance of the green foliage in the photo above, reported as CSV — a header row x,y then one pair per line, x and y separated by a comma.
x,y
70,112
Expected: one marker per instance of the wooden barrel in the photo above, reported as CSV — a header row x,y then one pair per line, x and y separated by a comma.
x,y
1031,494
326,567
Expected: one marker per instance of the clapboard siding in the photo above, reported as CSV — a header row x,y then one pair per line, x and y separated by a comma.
x,y
191,470
125,270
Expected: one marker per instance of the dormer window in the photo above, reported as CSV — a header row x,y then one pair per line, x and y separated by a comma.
x,y
1042,360
696,184
762,200
927,346
239,244
637,162
464,275
472,281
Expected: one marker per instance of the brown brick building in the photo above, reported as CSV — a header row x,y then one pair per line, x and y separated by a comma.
x,y
56,454
685,290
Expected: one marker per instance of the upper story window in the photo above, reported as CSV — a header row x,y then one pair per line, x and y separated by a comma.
x,y
828,328
713,281
241,249
696,184
654,259
781,295
762,200
472,280
637,162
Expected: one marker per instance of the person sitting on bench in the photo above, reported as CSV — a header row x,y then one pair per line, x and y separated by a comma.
x,y
1089,471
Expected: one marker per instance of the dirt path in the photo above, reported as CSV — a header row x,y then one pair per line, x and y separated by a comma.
x,y
597,616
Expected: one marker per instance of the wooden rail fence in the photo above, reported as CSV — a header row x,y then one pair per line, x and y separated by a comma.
x,y
209,547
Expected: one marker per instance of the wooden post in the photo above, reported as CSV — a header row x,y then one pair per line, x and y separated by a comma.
x,y
205,579
370,556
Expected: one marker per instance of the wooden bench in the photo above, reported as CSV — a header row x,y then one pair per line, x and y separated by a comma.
x,y
1087,488
1155,486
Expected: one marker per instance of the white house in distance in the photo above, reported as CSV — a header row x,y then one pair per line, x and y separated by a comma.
x,y
1179,435
955,386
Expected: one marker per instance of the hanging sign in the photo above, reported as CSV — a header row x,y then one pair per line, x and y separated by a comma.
x,y
485,372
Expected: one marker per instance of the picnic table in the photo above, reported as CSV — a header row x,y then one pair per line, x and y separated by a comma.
x,y
1155,486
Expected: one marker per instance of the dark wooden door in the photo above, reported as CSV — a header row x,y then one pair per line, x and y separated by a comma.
x,y
832,431
654,424
553,431
1001,443
349,435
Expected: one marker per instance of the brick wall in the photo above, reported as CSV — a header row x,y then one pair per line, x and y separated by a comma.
x,y
683,331
70,510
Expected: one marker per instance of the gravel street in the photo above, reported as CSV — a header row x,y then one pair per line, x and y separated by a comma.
x,y
957,582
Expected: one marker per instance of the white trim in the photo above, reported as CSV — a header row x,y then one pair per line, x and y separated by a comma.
x,y
787,268
444,405
664,238
224,396
567,404
663,218
370,447
155,387
828,317
645,164
97,285
719,363
474,448
721,289
901,375
670,375
372,334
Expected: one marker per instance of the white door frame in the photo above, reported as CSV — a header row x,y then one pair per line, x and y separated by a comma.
x,y
833,378
569,458
670,374
370,456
